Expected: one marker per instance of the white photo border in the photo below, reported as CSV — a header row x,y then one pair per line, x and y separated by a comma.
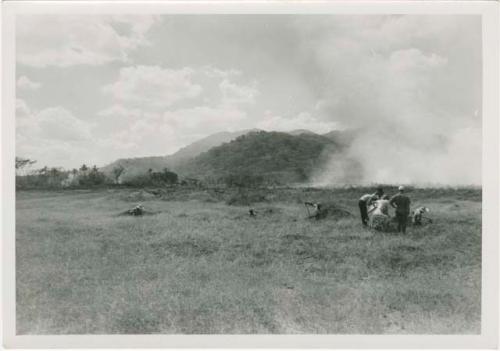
x,y
488,10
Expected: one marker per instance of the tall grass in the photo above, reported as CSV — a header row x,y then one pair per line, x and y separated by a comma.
x,y
202,266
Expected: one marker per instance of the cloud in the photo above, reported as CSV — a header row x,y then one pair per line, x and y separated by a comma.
x,y
303,120
409,84
78,40
24,83
214,72
152,87
204,118
53,136
162,109
233,93
53,123
22,109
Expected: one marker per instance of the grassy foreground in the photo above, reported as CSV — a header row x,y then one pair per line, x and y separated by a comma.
x,y
202,266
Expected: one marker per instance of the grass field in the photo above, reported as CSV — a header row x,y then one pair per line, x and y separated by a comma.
x,y
200,265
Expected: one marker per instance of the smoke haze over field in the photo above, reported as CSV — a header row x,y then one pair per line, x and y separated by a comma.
x,y
410,85
413,86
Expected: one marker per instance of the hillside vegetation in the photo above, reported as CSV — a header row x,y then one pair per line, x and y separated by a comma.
x,y
137,166
277,157
273,157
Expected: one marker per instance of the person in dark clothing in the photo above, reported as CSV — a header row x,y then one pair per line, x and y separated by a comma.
x,y
401,203
365,201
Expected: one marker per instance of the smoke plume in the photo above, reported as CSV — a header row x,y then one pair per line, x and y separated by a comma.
x,y
411,88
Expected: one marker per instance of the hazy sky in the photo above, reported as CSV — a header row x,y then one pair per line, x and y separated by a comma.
x,y
91,89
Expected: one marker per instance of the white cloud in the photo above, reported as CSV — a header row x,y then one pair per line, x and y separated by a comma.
x,y
214,72
53,123
153,104
22,109
25,83
403,60
233,93
119,110
303,120
204,118
53,136
59,123
152,87
50,40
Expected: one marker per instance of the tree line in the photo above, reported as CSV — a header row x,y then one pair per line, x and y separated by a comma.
x,y
28,177
85,177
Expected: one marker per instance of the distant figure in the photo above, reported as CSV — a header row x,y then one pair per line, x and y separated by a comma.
x,y
138,210
401,203
252,212
367,200
316,213
418,215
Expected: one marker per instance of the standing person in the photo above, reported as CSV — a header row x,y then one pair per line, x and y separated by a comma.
x,y
401,203
365,201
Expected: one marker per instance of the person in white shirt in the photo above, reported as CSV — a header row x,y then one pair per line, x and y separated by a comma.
x,y
418,215
381,207
379,218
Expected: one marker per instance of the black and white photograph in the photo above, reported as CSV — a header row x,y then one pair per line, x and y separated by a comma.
x,y
249,173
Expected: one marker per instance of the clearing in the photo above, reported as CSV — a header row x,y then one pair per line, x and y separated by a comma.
x,y
201,264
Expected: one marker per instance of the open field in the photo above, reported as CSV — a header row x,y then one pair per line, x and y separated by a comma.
x,y
201,265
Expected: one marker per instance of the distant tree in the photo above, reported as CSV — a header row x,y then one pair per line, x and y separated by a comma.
x,y
117,172
95,177
84,168
165,177
170,177
43,171
23,162
54,172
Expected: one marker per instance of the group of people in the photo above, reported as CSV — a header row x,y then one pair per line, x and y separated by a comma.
x,y
378,204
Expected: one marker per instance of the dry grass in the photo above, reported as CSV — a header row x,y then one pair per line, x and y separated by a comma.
x,y
203,266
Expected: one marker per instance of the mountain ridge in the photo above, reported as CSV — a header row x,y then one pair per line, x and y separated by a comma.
x,y
252,151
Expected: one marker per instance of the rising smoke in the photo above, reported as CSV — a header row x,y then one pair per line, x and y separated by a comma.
x,y
411,88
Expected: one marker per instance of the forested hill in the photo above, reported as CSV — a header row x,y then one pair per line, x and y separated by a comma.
x,y
140,165
275,156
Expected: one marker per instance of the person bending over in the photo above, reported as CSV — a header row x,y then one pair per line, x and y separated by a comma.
x,y
365,201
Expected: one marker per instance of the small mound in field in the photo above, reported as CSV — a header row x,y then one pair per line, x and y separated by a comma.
x,y
332,211
144,213
268,210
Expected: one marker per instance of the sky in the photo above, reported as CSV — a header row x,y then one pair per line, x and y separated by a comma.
x,y
92,89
